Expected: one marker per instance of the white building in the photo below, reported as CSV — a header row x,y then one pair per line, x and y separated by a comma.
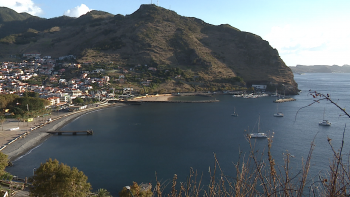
x,y
259,87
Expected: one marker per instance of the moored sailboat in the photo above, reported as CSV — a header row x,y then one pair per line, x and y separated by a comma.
x,y
234,113
324,122
258,134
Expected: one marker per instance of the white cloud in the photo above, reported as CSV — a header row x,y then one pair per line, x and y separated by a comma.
x,y
311,45
22,6
77,11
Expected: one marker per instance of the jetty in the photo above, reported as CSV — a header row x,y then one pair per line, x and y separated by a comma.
x,y
87,132
284,100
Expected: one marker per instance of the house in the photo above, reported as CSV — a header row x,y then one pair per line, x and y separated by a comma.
x,y
62,81
53,79
74,93
152,69
106,78
48,89
259,87
99,70
146,83
84,75
74,86
25,77
64,97
127,90
54,100
31,55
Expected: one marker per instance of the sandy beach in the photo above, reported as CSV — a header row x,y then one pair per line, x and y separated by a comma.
x,y
17,138
157,97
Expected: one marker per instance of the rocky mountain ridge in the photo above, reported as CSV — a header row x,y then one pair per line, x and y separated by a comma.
x,y
154,36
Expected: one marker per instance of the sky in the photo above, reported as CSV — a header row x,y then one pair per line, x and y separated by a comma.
x,y
305,32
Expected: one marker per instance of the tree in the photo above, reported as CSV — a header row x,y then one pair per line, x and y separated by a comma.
x,y
3,163
78,100
31,94
103,193
57,179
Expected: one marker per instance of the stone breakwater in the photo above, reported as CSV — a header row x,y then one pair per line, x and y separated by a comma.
x,y
284,100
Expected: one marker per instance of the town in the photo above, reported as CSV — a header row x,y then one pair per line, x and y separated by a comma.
x,y
62,80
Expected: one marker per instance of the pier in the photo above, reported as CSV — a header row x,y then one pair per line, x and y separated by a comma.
x,y
87,132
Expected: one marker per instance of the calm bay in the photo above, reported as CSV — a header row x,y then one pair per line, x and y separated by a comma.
x,y
131,143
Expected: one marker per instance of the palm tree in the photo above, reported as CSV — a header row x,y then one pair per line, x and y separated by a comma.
x,y
2,120
103,193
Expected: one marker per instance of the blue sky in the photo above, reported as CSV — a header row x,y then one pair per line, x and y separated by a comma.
x,y
312,32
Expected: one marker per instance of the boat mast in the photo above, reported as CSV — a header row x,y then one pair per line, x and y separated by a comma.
x,y
259,124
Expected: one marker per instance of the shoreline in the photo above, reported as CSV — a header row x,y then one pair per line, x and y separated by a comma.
x,y
20,142
28,142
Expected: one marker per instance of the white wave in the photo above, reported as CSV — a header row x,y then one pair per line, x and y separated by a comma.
x,y
27,153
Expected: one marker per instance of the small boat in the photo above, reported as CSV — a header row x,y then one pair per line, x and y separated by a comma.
x,y
324,122
234,113
278,114
258,134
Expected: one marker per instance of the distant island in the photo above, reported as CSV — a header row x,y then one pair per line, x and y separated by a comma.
x,y
299,69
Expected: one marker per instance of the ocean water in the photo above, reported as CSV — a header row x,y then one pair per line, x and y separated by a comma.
x,y
158,140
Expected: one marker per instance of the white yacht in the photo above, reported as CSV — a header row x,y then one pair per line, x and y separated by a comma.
x,y
258,134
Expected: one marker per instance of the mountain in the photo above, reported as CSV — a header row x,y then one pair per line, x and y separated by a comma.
x,y
321,69
154,36
7,15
